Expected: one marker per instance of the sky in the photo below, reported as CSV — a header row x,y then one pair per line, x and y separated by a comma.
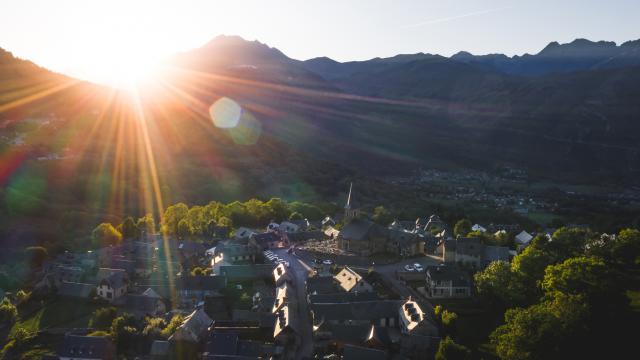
x,y
82,38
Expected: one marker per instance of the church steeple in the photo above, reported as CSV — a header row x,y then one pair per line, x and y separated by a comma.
x,y
350,212
348,204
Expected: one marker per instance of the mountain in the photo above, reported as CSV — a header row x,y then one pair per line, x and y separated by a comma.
x,y
578,55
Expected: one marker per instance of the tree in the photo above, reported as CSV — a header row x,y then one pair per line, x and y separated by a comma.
x,y
153,328
450,350
462,227
568,242
105,234
184,229
36,255
530,266
8,312
146,224
198,271
195,218
532,333
449,321
296,216
382,216
589,277
497,283
278,209
128,228
174,324
626,248
103,318
125,333
172,217
225,222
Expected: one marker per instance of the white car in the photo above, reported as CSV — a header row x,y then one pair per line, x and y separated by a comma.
x,y
327,262
409,268
418,267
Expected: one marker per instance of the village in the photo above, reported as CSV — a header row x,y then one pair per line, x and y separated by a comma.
x,y
296,289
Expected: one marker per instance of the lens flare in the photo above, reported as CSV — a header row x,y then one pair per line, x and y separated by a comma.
x,y
247,131
225,113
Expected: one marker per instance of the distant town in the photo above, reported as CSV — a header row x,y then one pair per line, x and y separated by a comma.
x,y
344,287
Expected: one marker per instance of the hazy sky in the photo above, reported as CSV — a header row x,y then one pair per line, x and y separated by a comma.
x,y
81,36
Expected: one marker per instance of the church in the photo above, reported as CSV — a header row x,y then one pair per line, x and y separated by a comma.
x,y
359,234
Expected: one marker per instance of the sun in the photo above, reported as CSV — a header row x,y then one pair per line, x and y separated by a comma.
x,y
123,63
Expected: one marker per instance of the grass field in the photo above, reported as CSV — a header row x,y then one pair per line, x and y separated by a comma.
x,y
58,314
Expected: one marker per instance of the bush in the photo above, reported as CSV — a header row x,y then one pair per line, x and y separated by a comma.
x,y
8,312
103,318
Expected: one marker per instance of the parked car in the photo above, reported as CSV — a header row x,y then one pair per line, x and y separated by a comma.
x,y
327,262
409,268
418,267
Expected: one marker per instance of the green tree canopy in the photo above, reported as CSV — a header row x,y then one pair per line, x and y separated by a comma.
x,y
462,227
105,234
450,350
102,318
128,228
497,283
172,217
382,216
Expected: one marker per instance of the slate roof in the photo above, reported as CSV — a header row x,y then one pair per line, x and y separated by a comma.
x,y
254,271
139,303
79,290
471,246
322,285
362,353
523,238
361,229
343,297
363,310
87,347
265,238
496,253
159,348
201,283
448,273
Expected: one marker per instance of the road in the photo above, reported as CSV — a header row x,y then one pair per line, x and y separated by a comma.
x,y
300,273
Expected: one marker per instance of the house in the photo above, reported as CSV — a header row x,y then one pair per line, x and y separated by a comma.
x,y
76,347
63,273
222,345
237,253
322,285
404,243
193,328
495,253
159,349
352,352
415,321
284,295
247,272
113,286
339,336
342,297
331,232
447,281
523,239
281,275
285,329
351,281
463,250
191,290
244,233
76,290
289,227
363,237
380,313
434,223
478,227
266,241
328,221
141,306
